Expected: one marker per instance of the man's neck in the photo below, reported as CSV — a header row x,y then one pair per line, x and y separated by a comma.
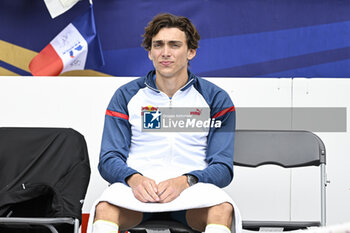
x,y
170,85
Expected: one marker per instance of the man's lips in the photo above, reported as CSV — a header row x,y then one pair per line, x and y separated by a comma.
x,y
166,63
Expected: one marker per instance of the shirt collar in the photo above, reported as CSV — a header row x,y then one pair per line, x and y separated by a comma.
x,y
150,81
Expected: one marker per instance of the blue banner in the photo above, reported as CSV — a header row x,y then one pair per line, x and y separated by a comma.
x,y
239,38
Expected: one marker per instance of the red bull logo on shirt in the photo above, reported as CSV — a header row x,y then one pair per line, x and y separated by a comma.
x,y
148,108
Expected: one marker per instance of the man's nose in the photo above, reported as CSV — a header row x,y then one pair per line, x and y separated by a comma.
x,y
166,51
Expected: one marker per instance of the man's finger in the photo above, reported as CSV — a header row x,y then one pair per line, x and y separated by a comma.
x,y
147,196
154,186
150,189
168,197
139,196
161,188
165,194
142,195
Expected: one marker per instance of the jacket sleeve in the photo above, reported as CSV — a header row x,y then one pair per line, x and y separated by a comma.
x,y
220,144
116,141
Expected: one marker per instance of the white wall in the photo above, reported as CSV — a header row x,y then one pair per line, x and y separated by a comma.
x,y
80,103
336,93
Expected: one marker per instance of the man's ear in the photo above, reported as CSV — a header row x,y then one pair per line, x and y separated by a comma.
x,y
191,54
149,55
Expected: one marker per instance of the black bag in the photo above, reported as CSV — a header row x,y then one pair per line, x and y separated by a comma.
x,y
44,172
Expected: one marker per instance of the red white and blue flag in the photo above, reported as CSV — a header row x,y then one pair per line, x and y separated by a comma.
x,y
77,47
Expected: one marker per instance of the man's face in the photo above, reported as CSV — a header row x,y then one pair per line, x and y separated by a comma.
x,y
169,53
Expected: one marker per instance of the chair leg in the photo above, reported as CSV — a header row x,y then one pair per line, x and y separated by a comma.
x,y
76,225
51,228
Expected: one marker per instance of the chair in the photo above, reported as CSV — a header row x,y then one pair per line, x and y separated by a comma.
x,y
161,226
288,149
253,148
44,177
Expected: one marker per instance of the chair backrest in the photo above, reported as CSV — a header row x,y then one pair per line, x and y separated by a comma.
x,y
286,148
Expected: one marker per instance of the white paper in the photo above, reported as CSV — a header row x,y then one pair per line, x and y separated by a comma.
x,y
58,7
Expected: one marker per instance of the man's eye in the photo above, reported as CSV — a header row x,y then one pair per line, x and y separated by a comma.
x,y
156,45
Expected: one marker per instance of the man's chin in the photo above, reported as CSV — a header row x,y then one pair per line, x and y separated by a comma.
x,y
169,72
166,74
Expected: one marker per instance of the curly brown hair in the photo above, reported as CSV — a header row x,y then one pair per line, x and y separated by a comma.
x,y
166,20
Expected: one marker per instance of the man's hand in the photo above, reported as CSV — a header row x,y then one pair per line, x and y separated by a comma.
x,y
144,189
170,189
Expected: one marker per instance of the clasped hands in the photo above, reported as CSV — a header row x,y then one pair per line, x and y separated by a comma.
x,y
146,189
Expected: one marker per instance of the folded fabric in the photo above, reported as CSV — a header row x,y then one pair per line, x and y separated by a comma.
x,y
200,195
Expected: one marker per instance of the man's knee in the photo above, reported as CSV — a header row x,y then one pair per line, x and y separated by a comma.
x,y
106,211
125,218
221,214
225,209
104,207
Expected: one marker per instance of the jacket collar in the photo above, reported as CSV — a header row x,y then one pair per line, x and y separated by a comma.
x,y
149,82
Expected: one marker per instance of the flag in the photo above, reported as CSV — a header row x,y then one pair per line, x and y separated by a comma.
x,y
76,47
58,7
